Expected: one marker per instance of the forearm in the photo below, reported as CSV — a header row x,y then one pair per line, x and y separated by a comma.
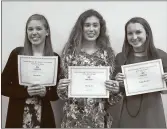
x,y
114,98
14,91
62,93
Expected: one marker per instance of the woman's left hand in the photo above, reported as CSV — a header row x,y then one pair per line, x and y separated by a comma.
x,y
164,76
112,86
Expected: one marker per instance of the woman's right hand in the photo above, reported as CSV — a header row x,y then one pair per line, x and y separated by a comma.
x,y
63,84
120,78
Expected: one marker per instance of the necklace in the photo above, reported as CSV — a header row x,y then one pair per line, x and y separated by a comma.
x,y
140,53
130,114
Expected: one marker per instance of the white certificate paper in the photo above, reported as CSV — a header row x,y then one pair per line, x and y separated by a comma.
x,y
88,82
144,77
37,70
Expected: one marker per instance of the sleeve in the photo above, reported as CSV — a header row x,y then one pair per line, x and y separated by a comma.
x,y
113,98
119,61
118,64
110,60
51,92
63,94
163,57
9,85
66,61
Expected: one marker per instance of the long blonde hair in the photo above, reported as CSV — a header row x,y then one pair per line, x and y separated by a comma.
x,y
48,50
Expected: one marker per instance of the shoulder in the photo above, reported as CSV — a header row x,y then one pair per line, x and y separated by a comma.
x,y
17,50
163,57
13,55
161,53
120,59
55,54
119,56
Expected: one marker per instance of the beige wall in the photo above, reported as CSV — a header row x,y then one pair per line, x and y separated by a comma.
x,y
63,15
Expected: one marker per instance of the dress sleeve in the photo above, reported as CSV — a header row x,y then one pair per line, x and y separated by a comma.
x,y
163,57
65,62
10,85
110,58
51,92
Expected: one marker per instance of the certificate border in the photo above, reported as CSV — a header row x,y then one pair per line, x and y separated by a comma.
x,y
128,93
70,68
54,81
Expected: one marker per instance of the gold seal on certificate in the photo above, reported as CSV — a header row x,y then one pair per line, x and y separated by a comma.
x,y
88,81
37,70
144,77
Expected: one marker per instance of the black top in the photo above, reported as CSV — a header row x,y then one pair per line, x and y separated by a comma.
x,y
18,94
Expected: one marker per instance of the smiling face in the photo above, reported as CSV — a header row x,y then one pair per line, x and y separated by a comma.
x,y
91,28
136,35
36,32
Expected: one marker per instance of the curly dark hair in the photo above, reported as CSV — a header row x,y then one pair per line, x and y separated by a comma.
x,y
75,39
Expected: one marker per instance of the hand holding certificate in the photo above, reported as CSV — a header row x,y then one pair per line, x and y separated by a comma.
x,y
88,82
144,77
37,70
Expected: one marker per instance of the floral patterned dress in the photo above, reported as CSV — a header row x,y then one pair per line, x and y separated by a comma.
x,y
32,113
87,112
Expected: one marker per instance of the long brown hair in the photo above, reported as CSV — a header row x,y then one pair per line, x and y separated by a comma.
x,y
150,48
75,39
48,50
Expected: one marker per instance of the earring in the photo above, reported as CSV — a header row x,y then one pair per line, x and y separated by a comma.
x,y
47,34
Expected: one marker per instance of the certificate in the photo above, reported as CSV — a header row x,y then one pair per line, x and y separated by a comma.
x,y
144,77
88,82
37,70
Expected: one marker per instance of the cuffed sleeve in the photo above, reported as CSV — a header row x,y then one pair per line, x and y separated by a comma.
x,y
9,85
114,98
62,93
51,91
